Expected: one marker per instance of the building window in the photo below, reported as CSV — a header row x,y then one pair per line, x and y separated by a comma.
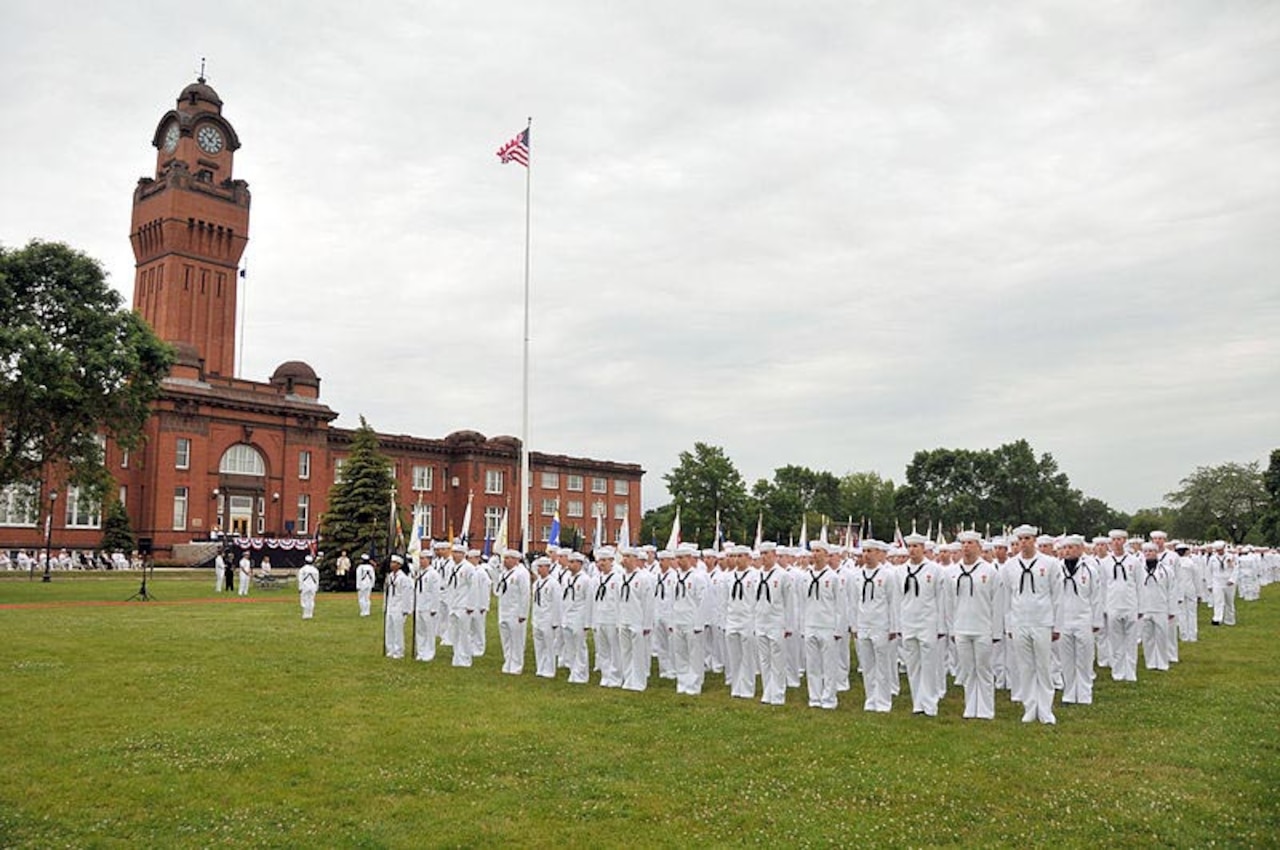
x,y
304,465
597,508
549,506
492,522
493,482
18,505
575,507
124,459
422,517
338,464
82,512
180,509
620,510
550,481
621,487
574,483
599,485
304,512
184,454
423,478
124,496
242,459
546,533
222,509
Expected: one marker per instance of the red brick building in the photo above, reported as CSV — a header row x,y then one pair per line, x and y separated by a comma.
x,y
222,455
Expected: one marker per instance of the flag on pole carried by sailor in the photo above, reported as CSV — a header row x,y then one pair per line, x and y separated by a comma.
x,y
554,538
674,540
464,536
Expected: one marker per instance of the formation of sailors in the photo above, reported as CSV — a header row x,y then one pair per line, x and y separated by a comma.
x,y
1032,614
67,560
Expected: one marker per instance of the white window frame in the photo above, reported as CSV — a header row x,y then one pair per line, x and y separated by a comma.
x,y
19,506
493,481
549,506
181,506
304,513
621,487
546,533
550,480
599,509
426,521
182,453
424,478
242,459
492,521
338,464
574,508
599,485
574,483
80,511
621,510
304,465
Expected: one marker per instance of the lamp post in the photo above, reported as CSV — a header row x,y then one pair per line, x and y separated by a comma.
x,y
48,536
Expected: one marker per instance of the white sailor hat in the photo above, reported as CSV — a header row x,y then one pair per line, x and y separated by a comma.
x,y
914,538
1073,540
1118,534
1159,534
1000,542
440,544
396,559
967,536
578,556
665,555
308,559
1026,531
513,553
870,543
1044,538
605,552
1149,547
1100,539
768,546
473,553
541,561
365,556
819,546
458,547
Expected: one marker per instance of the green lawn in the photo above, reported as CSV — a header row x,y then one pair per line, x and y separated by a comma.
x,y
195,722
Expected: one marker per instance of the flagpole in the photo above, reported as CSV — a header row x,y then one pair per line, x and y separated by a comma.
x,y
524,432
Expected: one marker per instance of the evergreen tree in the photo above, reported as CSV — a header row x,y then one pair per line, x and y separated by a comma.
x,y
359,508
117,533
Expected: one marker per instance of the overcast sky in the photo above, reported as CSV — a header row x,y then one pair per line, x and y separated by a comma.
x,y
829,234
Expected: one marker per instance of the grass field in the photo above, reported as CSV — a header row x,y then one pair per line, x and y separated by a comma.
x,y
195,721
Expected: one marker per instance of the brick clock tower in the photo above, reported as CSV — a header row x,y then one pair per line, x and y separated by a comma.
x,y
190,226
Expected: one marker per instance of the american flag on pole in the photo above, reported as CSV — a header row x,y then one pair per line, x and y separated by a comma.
x,y
516,150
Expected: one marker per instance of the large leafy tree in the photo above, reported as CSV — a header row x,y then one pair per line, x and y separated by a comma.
x,y
797,494
359,512
703,482
865,496
74,365
1226,500
1271,483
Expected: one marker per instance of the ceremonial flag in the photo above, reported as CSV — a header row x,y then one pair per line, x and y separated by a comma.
x,y
465,537
674,540
822,535
415,536
516,150
598,540
500,542
716,544
804,533
942,540
759,530
624,532
897,536
554,539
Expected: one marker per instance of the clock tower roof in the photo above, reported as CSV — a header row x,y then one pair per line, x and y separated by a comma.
x,y
200,92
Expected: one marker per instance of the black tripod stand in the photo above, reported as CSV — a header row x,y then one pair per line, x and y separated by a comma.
x,y
142,595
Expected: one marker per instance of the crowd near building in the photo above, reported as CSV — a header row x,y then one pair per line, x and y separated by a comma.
x,y
227,457
1034,615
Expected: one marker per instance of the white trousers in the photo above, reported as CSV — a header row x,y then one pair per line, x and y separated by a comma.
x,y
634,658
1032,647
688,659
308,600
975,675
608,657
794,646
244,587
740,664
425,627
544,650
575,654
476,625
1155,640
661,643
922,673
364,598
771,654
1190,625
1224,604
460,637
820,668
393,633
1122,635
878,658
1076,650
511,633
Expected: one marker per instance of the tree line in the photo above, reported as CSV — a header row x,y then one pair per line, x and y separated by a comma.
x,y
949,489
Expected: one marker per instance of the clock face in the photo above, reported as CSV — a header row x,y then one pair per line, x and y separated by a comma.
x,y
209,139
171,138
